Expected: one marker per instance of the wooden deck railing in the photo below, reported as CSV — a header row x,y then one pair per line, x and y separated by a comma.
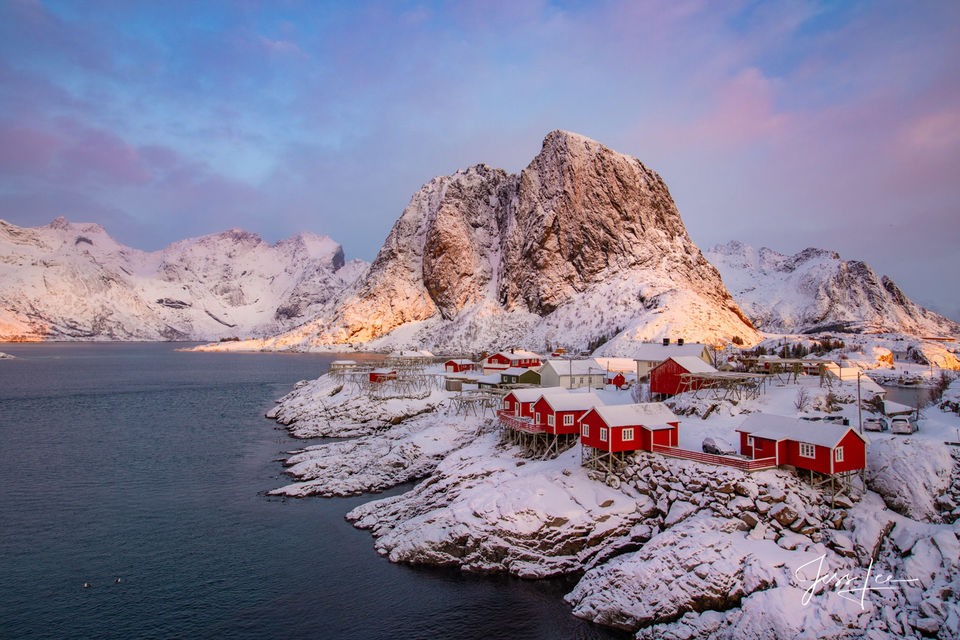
x,y
520,423
710,458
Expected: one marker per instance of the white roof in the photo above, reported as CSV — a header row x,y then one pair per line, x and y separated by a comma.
x,y
535,393
576,367
518,354
653,352
384,371
891,408
693,364
651,415
572,401
460,361
493,377
771,427
516,371
621,365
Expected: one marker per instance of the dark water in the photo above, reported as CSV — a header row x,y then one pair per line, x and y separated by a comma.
x,y
137,462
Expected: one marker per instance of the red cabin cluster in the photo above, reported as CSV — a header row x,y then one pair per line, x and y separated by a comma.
x,y
460,366
666,377
382,375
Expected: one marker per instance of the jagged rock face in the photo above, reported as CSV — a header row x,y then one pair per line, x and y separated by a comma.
x,y
482,256
583,211
73,281
815,290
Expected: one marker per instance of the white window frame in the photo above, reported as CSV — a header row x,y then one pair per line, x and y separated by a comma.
x,y
550,420
506,404
568,420
603,434
538,417
808,450
627,434
585,431
838,454
750,441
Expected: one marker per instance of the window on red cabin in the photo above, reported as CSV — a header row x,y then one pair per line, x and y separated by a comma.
x,y
807,450
506,404
838,454
603,434
628,434
749,441
567,420
585,431
550,419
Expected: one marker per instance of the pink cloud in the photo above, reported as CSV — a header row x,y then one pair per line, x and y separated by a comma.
x,y
26,150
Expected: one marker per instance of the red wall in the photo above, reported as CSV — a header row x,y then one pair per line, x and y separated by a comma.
x,y
762,448
642,438
665,378
854,454
510,404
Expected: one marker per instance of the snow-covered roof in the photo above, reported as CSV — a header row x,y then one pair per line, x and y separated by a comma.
x,y
652,415
572,401
516,371
492,378
576,367
772,427
868,385
653,352
622,365
459,361
535,393
693,364
893,408
518,354
384,371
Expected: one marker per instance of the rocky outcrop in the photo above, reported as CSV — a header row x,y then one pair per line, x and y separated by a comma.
x,y
73,281
815,290
585,243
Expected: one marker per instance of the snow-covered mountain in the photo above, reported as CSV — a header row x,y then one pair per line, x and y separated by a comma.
x,y
815,290
73,281
584,244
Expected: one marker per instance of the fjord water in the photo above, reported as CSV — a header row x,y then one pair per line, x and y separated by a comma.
x,y
139,463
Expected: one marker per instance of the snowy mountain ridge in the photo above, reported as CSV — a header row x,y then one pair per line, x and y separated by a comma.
x,y
584,245
815,290
68,280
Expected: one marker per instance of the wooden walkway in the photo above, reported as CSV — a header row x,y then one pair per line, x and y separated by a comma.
x,y
727,461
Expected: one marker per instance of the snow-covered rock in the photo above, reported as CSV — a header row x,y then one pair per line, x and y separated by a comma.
x,y
483,510
408,451
909,473
815,290
73,281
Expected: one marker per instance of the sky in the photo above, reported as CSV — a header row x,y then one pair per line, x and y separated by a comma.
x,y
780,124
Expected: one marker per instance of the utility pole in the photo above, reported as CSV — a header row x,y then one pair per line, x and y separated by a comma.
x,y
859,404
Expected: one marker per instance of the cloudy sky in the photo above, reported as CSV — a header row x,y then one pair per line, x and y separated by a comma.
x,y
787,125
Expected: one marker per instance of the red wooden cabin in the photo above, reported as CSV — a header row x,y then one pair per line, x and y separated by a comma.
x,y
617,380
519,402
665,377
559,413
459,366
382,375
512,358
815,446
629,427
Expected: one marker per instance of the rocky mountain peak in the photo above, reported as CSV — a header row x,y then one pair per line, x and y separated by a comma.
x,y
479,243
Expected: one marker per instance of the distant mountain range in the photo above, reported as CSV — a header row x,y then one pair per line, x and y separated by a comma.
x,y
815,290
66,281
584,247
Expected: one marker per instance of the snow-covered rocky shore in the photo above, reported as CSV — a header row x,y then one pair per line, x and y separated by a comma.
x,y
664,548
6,356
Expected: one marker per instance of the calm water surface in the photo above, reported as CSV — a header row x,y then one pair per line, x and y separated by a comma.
x,y
140,463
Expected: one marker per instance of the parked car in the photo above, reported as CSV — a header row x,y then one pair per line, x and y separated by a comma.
x,y
875,424
837,420
903,424
718,446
